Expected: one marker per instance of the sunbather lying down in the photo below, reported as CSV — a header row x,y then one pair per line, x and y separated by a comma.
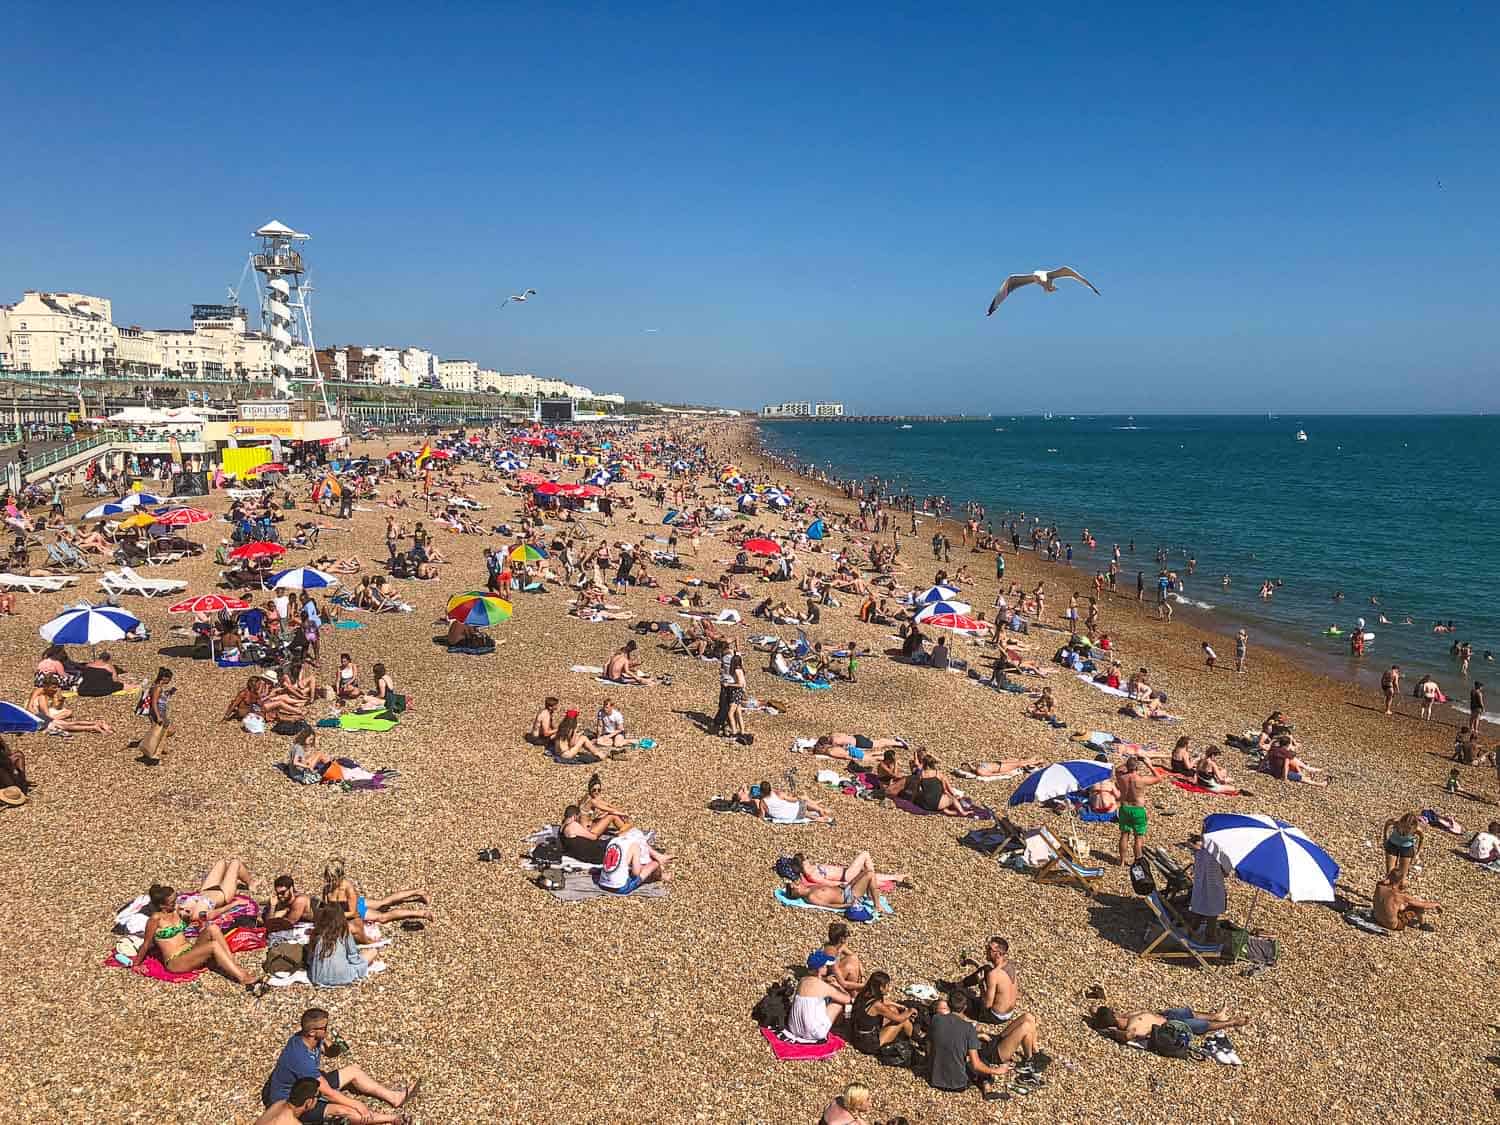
x,y
845,747
837,896
1136,1027
1003,766
845,874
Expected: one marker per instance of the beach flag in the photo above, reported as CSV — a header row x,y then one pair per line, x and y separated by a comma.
x,y
424,453
331,487
175,448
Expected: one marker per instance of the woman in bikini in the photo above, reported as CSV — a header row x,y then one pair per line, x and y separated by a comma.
x,y
339,888
836,896
841,875
166,932
570,742
348,688
46,703
598,814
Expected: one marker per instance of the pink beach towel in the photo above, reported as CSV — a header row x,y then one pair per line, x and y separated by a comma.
x,y
785,1050
246,939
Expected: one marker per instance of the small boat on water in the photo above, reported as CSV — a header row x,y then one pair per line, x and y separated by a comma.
x,y
1301,435
906,426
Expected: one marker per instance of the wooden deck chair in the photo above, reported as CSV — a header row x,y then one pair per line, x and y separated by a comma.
x,y
1065,868
1175,932
679,640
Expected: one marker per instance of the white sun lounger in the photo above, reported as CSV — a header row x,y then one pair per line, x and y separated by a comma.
x,y
127,581
36,584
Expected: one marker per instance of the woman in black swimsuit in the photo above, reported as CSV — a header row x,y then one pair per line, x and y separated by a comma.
x,y
875,1021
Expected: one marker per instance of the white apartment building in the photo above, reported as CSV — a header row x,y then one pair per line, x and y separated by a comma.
x,y
60,331
4,337
385,367
458,374
787,410
802,410
419,367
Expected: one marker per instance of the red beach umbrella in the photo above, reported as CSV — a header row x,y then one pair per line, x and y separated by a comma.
x,y
257,550
958,622
208,603
181,517
548,488
762,547
269,467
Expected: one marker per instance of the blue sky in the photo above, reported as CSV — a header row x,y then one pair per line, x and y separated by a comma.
x,y
803,201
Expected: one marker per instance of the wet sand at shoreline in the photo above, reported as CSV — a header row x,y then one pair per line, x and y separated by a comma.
x,y
515,1007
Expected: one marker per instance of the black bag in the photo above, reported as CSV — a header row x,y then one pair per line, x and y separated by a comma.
x,y
772,1009
1171,1040
898,1052
548,853
1142,879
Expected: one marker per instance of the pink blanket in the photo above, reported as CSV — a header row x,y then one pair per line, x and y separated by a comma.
x,y
243,940
784,1050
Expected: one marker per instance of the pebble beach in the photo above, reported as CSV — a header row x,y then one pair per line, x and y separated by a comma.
x,y
516,1007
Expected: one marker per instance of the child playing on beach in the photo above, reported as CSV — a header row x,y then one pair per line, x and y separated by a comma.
x,y
1209,655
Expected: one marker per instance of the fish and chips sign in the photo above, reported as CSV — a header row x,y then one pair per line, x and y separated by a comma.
x,y
265,411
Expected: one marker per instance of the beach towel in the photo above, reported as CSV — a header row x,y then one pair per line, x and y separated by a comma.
x,y
974,812
1092,816
967,776
1120,693
1194,787
347,625
1361,920
785,1049
810,685
378,721
590,669
802,904
579,886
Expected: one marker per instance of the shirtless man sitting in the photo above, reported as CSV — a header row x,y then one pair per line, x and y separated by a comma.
x,y
1395,909
624,667
997,978
287,908
1135,1027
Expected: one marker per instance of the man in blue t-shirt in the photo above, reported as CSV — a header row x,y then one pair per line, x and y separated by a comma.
x,y
302,1058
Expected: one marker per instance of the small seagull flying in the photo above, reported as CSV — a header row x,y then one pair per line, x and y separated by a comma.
x,y
519,298
1047,279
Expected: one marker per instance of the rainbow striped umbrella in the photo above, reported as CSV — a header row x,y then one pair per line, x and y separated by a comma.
x,y
526,553
478,609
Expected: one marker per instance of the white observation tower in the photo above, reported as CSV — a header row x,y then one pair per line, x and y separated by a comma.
x,y
283,296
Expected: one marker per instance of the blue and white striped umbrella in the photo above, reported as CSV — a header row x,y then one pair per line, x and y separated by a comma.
x,y
136,499
18,720
105,511
734,481
1271,855
746,502
679,466
303,578
931,609
936,594
90,625
1060,779
599,478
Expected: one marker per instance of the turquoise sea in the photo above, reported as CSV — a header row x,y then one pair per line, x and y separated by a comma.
x,y
1404,509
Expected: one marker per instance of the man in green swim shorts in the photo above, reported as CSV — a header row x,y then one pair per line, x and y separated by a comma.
x,y
1133,777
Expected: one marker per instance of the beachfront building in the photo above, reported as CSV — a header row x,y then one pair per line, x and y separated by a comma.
x,y
419,367
787,410
60,332
458,375
828,410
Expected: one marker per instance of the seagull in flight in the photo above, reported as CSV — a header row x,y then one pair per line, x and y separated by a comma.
x,y
1047,279
519,298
